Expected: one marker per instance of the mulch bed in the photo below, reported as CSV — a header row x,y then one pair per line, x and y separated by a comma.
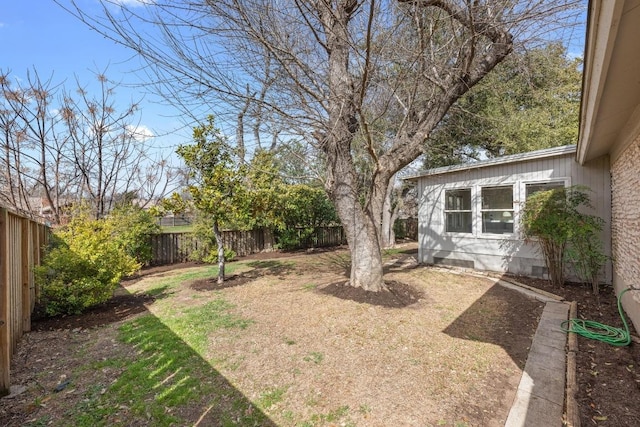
x,y
608,376
396,294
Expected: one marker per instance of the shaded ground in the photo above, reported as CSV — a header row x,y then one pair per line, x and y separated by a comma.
x,y
303,335
608,376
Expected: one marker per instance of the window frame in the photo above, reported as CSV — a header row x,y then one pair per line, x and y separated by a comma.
x,y
482,210
564,181
447,212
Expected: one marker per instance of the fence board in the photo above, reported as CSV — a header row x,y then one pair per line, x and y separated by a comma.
x,y
174,248
21,242
406,228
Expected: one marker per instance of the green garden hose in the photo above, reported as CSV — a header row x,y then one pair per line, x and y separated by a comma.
x,y
598,331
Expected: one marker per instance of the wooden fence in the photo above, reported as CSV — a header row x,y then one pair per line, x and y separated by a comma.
x,y
174,248
21,243
406,228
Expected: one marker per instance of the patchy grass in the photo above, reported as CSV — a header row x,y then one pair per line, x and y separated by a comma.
x,y
194,325
315,357
274,350
168,372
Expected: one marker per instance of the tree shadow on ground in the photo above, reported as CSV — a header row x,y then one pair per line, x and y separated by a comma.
x,y
503,317
259,269
161,376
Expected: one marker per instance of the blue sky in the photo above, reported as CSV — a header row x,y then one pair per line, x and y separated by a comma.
x,y
40,35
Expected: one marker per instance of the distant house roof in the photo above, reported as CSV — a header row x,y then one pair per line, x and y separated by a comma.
x,y
521,157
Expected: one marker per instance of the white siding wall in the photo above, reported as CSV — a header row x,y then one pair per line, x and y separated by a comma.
x,y
503,252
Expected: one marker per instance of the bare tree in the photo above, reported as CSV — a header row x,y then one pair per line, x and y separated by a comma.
x,y
59,149
342,66
35,166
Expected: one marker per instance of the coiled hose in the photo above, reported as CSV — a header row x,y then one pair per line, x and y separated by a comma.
x,y
597,331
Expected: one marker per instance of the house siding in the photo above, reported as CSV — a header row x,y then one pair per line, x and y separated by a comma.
x,y
625,226
503,252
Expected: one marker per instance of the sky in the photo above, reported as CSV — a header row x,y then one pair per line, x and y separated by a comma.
x,y
41,35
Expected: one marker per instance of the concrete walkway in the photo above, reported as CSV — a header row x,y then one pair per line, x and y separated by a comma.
x,y
539,400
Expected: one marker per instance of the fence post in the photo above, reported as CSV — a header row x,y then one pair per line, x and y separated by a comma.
x,y
27,242
5,342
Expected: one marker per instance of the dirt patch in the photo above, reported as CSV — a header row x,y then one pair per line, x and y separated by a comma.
x,y
395,295
608,376
120,307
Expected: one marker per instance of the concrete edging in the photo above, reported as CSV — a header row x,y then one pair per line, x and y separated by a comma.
x,y
573,412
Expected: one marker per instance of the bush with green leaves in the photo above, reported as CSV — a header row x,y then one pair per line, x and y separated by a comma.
x,y
585,251
206,248
292,238
304,209
131,227
82,267
556,221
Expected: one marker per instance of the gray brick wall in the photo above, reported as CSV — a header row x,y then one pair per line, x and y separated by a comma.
x,y
625,226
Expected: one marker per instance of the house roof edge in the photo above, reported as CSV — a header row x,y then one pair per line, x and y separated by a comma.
x,y
513,158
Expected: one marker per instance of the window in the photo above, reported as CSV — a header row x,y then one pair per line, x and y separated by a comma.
x,y
497,210
457,211
542,186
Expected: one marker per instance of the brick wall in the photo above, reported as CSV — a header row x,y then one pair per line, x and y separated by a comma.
x,y
625,226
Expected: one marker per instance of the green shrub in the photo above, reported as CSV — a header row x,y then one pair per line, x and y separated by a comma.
x,y
305,209
130,227
206,249
294,238
82,268
585,251
556,221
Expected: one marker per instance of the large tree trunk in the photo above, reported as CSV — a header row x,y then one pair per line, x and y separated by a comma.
x,y
364,245
362,225
388,236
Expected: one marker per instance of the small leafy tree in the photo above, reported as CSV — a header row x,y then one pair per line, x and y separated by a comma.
x,y
554,220
217,190
204,248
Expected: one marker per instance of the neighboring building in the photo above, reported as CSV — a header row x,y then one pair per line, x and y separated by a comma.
x,y
469,214
610,125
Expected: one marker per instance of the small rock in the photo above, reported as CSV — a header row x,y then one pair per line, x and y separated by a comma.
x,y
61,386
15,390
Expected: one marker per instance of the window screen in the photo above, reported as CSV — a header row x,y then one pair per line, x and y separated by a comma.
x,y
457,209
497,210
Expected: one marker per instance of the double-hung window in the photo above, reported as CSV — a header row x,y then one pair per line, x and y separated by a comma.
x,y
497,210
457,210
